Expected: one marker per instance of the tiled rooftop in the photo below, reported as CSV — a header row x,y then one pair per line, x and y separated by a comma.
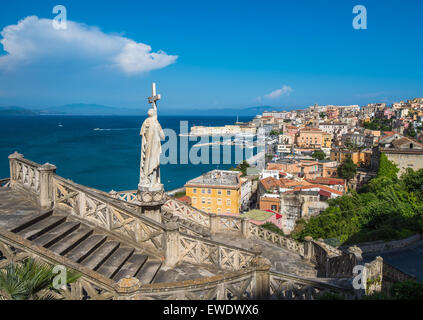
x,y
217,178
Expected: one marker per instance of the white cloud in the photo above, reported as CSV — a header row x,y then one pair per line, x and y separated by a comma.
x,y
284,91
34,41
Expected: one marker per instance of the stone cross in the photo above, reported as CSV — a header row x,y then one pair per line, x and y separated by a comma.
x,y
155,97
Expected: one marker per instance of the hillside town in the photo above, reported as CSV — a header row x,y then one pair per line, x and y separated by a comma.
x,y
312,155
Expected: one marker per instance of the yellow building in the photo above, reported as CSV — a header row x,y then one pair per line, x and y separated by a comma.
x,y
356,156
326,140
217,191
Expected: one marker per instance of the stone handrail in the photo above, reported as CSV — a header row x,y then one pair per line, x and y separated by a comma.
x,y
277,239
103,212
243,284
331,262
4,183
290,287
253,282
198,250
186,211
225,223
374,275
128,196
25,173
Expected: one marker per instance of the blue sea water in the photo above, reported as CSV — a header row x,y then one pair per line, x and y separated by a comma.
x,y
105,159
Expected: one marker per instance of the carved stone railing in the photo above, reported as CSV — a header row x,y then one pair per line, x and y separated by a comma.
x,y
24,173
374,275
128,196
330,262
288,287
186,211
104,213
253,282
227,223
248,283
277,239
4,183
198,250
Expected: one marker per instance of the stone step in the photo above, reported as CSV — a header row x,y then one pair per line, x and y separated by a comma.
x,y
148,271
113,264
57,233
41,227
86,247
15,223
72,240
131,267
96,259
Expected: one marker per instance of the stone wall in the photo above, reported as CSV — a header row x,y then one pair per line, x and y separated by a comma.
x,y
380,246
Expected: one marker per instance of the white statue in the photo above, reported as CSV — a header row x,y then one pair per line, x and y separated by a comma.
x,y
151,148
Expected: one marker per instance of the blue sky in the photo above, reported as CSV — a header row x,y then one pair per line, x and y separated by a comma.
x,y
211,54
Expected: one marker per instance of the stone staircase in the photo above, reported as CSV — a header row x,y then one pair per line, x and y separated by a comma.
x,y
82,244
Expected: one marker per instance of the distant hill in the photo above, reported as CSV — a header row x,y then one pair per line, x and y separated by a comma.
x,y
16,111
82,109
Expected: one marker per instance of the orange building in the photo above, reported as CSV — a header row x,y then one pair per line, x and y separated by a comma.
x,y
310,138
270,202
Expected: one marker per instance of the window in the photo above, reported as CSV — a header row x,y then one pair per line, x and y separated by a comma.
x,y
219,200
203,200
204,208
209,200
194,200
203,191
228,192
209,191
274,207
219,210
219,191
228,202
194,190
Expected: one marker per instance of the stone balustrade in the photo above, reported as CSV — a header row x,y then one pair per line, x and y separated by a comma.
x,y
329,262
255,281
4,183
112,214
226,223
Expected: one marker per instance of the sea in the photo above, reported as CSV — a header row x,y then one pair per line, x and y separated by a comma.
x,y
101,152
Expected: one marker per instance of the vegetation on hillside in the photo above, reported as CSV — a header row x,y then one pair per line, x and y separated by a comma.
x,y
379,124
243,166
387,208
347,169
272,227
318,155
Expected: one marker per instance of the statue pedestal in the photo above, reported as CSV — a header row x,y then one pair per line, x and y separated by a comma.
x,y
152,200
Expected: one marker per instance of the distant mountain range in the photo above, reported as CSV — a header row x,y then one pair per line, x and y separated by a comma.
x,y
81,109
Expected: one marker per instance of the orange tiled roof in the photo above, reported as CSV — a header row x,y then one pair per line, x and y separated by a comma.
x,y
321,187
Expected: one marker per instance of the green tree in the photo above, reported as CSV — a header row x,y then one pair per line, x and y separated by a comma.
x,y
272,227
410,132
319,155
348,169
29,280
387,168
407,290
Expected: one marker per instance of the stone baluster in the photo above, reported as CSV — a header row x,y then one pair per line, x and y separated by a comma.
x,y
46,199
214,223
13,167
245,228
308,249
171,244
261,286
